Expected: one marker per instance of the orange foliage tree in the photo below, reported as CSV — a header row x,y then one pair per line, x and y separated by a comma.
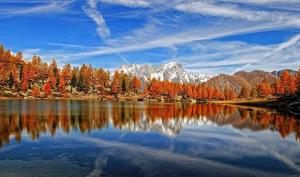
x,y
136,84
298,82
35,92
115,86
264,88
47,88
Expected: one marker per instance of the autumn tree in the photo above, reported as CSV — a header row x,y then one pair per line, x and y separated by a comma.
x,y
264,88
35,92
278,89
62,85
5,66
47,88
24,85
292,85
136,84
52,79
53,67
209,93
231,95
284,81
66,73
100,79
84,82
298,82
253,93
115,86
245,92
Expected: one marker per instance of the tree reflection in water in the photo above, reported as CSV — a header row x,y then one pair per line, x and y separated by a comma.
x,y
36,117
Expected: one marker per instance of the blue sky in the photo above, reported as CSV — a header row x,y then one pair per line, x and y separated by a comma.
x,y
205,36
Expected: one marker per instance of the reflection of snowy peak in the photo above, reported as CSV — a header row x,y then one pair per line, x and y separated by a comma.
x,y
169,128
169,71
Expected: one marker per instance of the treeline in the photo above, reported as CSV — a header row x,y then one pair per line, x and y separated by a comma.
x,y
36,78
39,79
286,85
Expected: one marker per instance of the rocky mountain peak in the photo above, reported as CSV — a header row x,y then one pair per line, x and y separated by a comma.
x,y
172,71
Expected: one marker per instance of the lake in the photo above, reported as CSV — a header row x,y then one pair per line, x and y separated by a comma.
x,y
92,138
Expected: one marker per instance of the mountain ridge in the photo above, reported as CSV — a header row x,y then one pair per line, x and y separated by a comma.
x,y
172,71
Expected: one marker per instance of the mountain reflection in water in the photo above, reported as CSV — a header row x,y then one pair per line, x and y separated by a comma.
x,y
36,117
92,138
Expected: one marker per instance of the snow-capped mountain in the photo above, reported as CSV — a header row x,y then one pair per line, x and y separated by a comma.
x,y
172,71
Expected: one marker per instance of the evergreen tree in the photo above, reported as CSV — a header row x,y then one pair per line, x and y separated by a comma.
x,y
10,81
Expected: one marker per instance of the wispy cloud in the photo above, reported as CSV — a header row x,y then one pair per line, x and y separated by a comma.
x,y
129,3
172,40
40,8
70,45
158,31
229,57
91,10
173,25
264,2
236,12
286,44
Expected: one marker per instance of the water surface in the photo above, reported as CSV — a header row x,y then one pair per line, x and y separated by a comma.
x,y
91,138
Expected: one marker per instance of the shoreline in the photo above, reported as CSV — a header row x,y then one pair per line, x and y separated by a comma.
x,y
275,103
283,105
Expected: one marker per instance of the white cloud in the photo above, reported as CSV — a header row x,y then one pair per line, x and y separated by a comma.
x,y
172,40
91,10
129,3
158,32
229,57
161,29
264,2
51,7
235,12
287,44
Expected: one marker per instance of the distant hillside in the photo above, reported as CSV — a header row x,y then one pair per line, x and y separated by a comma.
x,y
240,79
256,76
278,73
223,81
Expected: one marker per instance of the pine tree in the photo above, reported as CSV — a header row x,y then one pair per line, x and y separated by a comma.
x,y
80,85
10,81
123,85
73,81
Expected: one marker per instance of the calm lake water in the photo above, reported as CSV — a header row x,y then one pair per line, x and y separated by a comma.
x,y
91,138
